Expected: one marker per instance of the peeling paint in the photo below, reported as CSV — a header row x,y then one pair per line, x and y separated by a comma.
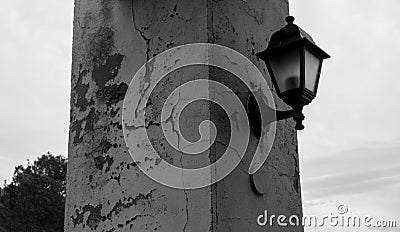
x,y
106,191
131,201
112,94
100,46
81,90
92,220
107,71
101,161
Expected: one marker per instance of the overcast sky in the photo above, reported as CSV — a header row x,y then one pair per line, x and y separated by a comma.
x,y
35,58
349,151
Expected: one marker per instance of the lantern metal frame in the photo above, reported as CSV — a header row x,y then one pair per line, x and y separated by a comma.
x,y
291,38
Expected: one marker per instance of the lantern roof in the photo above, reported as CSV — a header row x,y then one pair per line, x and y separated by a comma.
x,y
288,36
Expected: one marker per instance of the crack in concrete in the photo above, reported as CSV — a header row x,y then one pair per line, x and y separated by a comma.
x,y
252,13
210,22
146,126
176,5
141,32
279,172
187,209
149,65
226,194
186,196
236,152
171,120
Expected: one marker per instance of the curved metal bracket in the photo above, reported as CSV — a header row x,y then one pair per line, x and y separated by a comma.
x,y
254,112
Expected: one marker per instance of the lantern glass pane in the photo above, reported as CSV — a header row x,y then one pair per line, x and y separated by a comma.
x,y
286,69
312,64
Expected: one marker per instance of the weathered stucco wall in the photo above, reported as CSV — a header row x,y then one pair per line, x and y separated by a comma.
x,y
106,191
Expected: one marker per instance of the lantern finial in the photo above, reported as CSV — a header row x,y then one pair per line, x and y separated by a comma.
x,y
289,20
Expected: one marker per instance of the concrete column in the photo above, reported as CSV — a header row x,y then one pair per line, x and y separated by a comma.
x,y
106,191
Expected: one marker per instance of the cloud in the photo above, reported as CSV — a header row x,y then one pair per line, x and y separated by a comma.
x,y
365,178
353,171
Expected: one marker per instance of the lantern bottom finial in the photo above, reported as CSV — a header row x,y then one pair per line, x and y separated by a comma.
x,y
298,117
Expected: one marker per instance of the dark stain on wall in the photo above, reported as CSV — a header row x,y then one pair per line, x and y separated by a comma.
x,y
93,219
91,119
105,67
76,127
100,161
112,94
100,46
296,181
106,10
95,216
107,71
127,203
81,90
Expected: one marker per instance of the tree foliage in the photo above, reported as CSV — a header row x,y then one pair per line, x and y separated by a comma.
x,y
34,201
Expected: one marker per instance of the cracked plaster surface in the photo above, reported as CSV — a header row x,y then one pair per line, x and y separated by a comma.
x,y
106,190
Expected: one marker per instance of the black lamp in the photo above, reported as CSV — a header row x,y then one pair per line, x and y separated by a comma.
x,y
294,63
